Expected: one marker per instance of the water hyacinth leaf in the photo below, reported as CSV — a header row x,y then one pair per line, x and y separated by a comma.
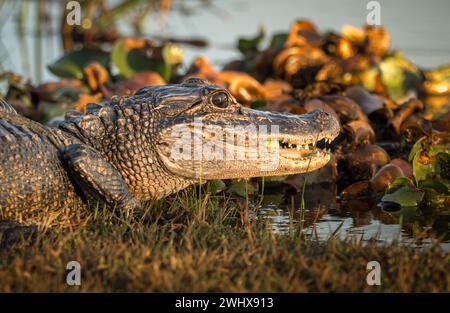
x,y
71,65
416,148
398,183
241,188
437,81
399,75
129,57
404,196
258,104
407,214
67,94
435,185
369,78
215,186
437,149
423,167
50,110
246,45
278,40
119,59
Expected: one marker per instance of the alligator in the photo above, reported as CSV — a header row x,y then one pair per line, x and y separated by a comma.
x,y
120,154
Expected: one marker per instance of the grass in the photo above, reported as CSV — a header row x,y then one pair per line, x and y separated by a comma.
x,y
211,245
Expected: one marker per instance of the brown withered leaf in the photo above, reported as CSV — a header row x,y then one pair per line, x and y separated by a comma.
x,y
129,86
359,133
302,33
330,72
442,123
435,106
318,89
385,176
345,49
317,104
352,33
47,91
366,101
405,166
355,190
347,109
85,99
294,59
285,106
405,110
96,75
378,40
415,127
365,161
276,89
201,68
242,86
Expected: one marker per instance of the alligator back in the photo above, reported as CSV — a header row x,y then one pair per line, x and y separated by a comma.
x,y
34,186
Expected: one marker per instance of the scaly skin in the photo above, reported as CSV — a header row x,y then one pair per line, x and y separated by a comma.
x,y
120,153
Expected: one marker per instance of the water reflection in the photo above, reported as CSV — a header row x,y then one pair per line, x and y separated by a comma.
x,y
324,216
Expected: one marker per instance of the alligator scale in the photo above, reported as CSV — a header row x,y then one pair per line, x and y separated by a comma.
x,y
120,153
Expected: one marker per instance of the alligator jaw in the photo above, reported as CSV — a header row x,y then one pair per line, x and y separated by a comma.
x,y
288,146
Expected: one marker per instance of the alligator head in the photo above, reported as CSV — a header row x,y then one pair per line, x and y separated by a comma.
x,y
204,133
164,138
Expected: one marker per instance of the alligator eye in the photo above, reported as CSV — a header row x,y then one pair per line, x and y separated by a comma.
x,y
220,99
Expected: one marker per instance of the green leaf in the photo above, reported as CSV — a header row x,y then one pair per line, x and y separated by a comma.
x,y
437,149
239,188
71,65
422,171
246,45
416,148
215,186
435,185
129,60
399,75
278,40
258,104
405,196
398,183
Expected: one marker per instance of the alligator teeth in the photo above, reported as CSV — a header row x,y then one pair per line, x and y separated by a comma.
x,y
298,147
318,153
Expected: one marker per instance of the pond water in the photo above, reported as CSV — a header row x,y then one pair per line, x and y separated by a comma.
x,y
325,216
418,28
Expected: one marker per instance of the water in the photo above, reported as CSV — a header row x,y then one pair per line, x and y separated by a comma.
x,y
325,219
418,28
